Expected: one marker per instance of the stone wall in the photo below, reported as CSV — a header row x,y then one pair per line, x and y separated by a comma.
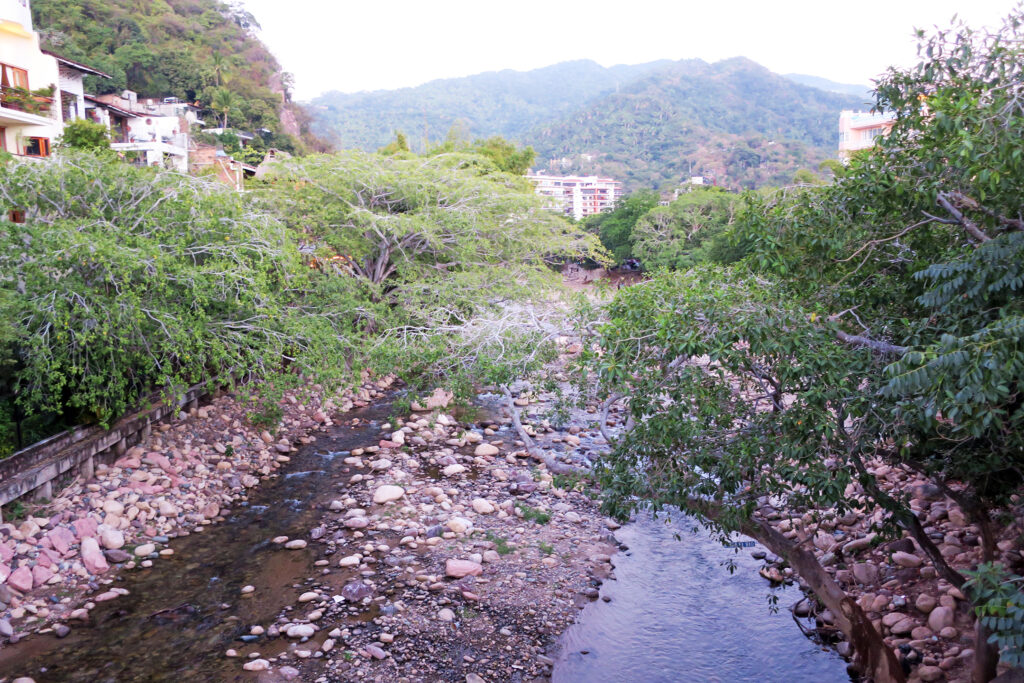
x,y
33,470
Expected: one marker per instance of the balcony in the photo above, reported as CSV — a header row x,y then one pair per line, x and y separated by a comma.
x,y
18,105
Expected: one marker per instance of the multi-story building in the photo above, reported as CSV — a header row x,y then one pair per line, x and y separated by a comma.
x,y
39,91
577,196
155,131
859,130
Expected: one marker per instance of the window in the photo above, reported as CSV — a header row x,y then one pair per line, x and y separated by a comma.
x,y
37,147
13,77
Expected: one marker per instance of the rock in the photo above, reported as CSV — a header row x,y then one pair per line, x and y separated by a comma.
x,y
491,556
145,549
357,522
61,630
92,557
387,494
61,539
925,603
940,618
865,573
446,615
248,590
256,665
930,673
482,506
486,449
452,470
116,556
903,626
355,591
949,633
906,559
459,524
296,544
249,481
461,568
380,465
20,579
439,399
111,539
300,631
40,575
398,437
473,678
6,630
375,652
113,507
309,596
350,561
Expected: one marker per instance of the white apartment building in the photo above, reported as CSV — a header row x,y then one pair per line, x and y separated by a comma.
x,y
577,196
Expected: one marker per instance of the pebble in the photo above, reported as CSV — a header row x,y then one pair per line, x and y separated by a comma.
x,y
256,665
387,494
297,544
461,568
446,615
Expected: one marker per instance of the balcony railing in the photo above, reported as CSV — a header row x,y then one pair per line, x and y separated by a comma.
x,y
23,100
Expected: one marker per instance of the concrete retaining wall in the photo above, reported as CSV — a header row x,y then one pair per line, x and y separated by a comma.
x,y
32,470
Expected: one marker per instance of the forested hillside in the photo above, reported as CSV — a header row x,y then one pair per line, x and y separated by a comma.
x,y
507,103
199,50
734,120
649,125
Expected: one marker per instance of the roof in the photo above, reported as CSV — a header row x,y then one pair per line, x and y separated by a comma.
x,y
111,107
76,65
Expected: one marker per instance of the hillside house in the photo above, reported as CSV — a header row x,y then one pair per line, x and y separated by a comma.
x,y
39,91
859,130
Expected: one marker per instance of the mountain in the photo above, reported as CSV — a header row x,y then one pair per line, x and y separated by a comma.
x,y
733,120
183,48
863,91
507,103
647,125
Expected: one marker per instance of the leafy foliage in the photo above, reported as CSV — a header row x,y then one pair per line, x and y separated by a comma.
x,y
999,604
191,49
86,135
692,229
615,227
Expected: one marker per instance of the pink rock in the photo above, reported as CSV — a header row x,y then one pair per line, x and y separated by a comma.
x,y
5,571
389,444
161,461
40,575
52,554
128,463
61,539
460,568
92,557
20,579
6,552
85,527
44,560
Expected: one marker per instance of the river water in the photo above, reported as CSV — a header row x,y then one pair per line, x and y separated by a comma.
x,y
678,616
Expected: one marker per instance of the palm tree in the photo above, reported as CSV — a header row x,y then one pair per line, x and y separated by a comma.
x,y
219,63
223,101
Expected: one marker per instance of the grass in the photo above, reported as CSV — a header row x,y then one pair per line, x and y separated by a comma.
x,y
467,613
545,548
500,544
533,514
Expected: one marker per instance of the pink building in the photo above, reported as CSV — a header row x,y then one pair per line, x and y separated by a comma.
x,y
859,130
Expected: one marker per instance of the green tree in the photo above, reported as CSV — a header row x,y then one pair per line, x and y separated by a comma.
x,y
875,321
86,135
224,101
615,228
692,229
399,146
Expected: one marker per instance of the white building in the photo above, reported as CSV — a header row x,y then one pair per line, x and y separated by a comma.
x,y
577,196
39,91
859,130
155,131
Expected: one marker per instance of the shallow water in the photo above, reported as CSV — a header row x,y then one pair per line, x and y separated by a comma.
x,y
678,616
179,617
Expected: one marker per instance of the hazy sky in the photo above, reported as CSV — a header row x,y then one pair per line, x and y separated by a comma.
x,y
358,45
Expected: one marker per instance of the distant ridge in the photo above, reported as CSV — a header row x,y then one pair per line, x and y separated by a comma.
x,y
650,125
853,89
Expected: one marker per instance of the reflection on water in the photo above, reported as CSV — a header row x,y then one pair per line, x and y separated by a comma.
x,y
676,615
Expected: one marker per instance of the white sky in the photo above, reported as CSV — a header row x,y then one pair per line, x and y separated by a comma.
x,y
353,45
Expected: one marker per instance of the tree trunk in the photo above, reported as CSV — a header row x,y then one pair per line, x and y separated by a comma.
x,y
870,652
